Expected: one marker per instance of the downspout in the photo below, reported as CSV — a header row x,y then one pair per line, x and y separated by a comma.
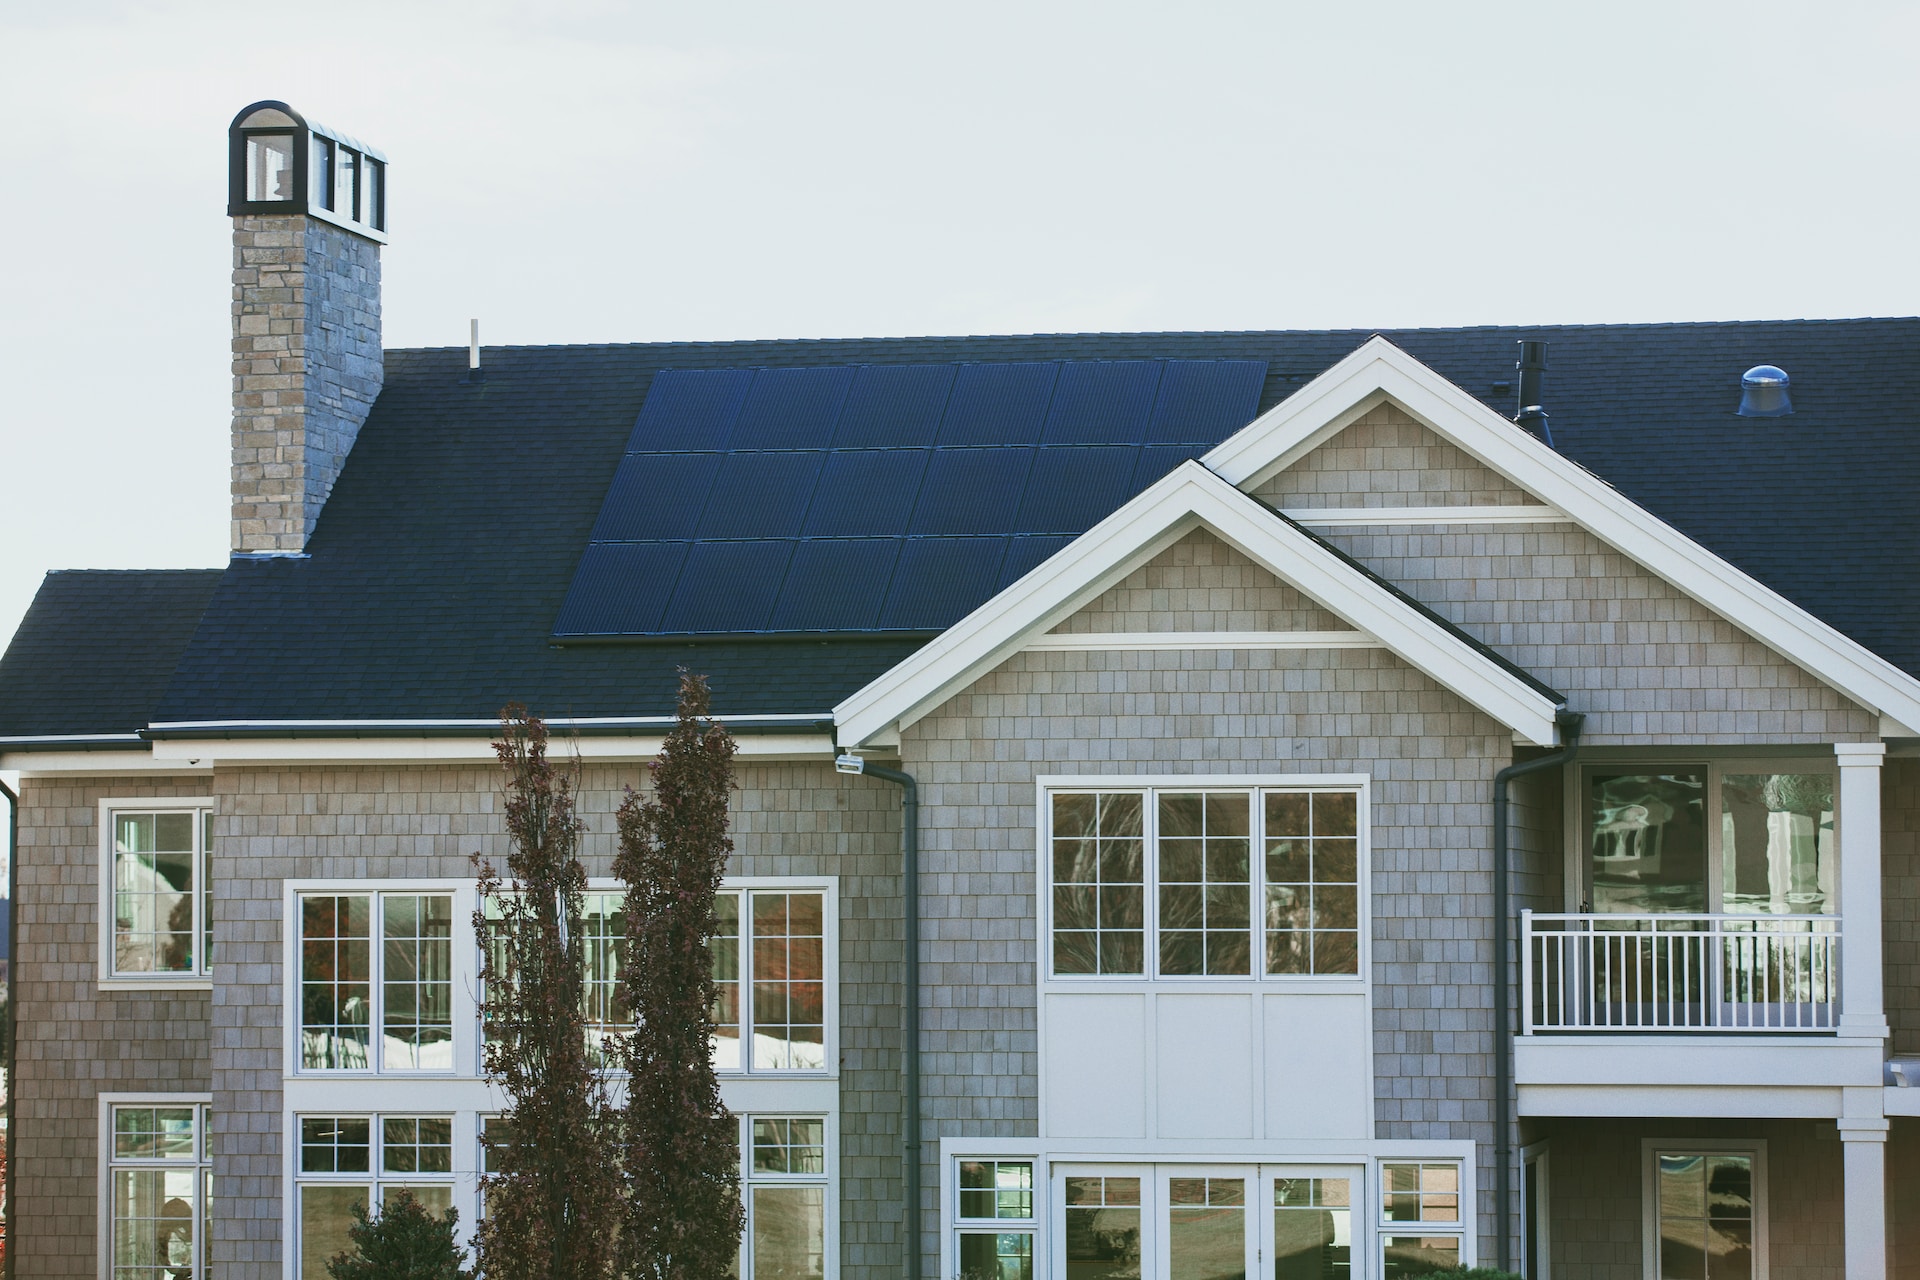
x,y
910,1057
12,1246
1569,723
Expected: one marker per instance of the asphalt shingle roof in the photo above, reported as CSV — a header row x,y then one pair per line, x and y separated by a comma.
x,y
438,569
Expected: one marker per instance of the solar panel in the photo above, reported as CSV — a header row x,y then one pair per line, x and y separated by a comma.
x,y
866,492
894,406
760,495
1205,401
1157,460
1025,553
938,580
1102,402
620,588
998,404
1069,490
836,585
971,491
656,495
727,586
791,408
690,409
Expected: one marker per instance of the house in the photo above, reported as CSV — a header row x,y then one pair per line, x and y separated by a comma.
x,y
1361,825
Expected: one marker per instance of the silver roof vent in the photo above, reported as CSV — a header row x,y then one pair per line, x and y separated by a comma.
x,y
1764,392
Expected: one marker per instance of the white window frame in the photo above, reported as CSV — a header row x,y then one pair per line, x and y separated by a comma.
x,y
828,889
465,979
1650,1151
200,977
202,1103
828,1181
953,1225
1460,1229
461,1183
1578,819
1047,786
1536,1161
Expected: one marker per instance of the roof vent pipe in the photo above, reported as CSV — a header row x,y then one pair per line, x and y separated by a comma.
x,y
1765,392
1532,365
474,372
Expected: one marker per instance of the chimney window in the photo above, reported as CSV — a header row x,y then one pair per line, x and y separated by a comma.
x,y
373,193
270,166
345,187
320,154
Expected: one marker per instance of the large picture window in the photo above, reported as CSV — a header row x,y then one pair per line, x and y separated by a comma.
x,y
1215,882
365,1159
159,1188
160,911
376,960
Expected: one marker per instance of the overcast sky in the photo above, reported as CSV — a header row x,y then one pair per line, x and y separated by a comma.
x,y
607,172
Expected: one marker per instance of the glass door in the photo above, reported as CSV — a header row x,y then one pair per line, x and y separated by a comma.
x,y
1308,1220
1209,1233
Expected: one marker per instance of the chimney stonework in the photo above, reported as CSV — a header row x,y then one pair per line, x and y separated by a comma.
x,y
306,368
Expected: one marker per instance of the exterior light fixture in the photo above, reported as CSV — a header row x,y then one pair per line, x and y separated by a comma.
x,y
278,161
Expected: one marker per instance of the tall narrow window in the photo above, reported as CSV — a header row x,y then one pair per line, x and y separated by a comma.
x,y
995,1220
159,1188
1777,852
789,1009
269,167
162,926
1312,871
603,924
320,171
1098,883
1705,1205
410,936
786,1199
725,950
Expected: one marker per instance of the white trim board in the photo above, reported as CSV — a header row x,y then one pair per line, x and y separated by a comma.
x,y
1102,640
1355,517
1378,372
1187,498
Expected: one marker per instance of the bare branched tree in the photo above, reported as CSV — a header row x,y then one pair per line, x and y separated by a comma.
x,y
552,1191
683,1215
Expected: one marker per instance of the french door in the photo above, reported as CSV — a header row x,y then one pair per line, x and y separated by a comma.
x,y
1205,1222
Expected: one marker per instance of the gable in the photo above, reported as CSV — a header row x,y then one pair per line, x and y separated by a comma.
x,y
1200,584
1387,459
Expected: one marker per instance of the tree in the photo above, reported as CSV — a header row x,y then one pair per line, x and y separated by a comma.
x,y
401,1240
552,1190
683,1215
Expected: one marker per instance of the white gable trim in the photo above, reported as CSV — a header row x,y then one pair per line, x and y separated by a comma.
x,y
1188,497
1379,372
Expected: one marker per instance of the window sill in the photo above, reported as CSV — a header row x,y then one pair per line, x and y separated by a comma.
x,y
193,982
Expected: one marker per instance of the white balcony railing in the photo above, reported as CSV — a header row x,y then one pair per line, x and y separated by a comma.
x,y
1708,973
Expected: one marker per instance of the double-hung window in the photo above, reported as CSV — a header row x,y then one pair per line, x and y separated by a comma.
x,y
995,1220
159,1188
1422,1230
788,1196
158,906
346,1160
376,982
1181,881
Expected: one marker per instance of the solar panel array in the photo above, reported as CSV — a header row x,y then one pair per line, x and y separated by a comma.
x,y
877,499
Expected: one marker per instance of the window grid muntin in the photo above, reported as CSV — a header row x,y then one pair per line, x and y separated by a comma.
x,y
994,1190
362,1139
1349,795
779,942
1103,896
175,1172
195,845
769,1193
345,961
1424,1191
1203,864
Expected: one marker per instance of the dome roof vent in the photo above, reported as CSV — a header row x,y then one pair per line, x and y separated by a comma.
x,y
1764,392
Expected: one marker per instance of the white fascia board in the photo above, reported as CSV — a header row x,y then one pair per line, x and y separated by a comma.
x,y
1185,498
1378,371
208,753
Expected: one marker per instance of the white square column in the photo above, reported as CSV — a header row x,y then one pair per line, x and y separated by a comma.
x,y
1862,1011
1863,1148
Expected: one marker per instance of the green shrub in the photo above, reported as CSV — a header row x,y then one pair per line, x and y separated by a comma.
x,y
1480,1273
402,1240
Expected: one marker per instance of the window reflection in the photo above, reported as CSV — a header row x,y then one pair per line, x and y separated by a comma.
x,y
1312,1229
1103,1228
1649,842
1777,850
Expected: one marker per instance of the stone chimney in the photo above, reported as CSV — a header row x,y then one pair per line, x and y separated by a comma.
x,y
309,217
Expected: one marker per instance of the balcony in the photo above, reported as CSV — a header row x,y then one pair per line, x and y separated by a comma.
x,y
1770,974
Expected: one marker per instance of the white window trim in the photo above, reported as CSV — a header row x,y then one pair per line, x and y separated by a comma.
x,y
1047,784
1650,1148
465,1180
830,1181
1540,1156
201,978
103,1190
1578,874
465,978
829,889
1336,1157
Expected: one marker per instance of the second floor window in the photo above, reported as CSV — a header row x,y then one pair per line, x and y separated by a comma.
x,y
1205,883
376,982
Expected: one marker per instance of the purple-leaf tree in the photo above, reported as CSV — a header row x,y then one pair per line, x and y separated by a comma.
x,y
552,1196
682,1218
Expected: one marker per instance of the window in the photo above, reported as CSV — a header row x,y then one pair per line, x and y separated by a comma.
x,y
1743,838
159,1189
1706,1210
1420,1212
161,913
995,1220
349,1160
1102,1227
320,170
269,167
786,1194
1206,883
373,193
376,959
1312,1228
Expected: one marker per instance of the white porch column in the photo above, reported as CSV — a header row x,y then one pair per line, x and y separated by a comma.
x,y
1862,1012
1863,1146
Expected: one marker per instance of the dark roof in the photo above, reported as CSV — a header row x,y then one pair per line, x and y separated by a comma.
x,y
438,570
95,651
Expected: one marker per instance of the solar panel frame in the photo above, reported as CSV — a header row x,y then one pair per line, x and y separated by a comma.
x,y
689,409
761,495
727,587
656,495
938,581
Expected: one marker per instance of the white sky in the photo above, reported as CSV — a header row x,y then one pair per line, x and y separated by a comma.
x,y
573,171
